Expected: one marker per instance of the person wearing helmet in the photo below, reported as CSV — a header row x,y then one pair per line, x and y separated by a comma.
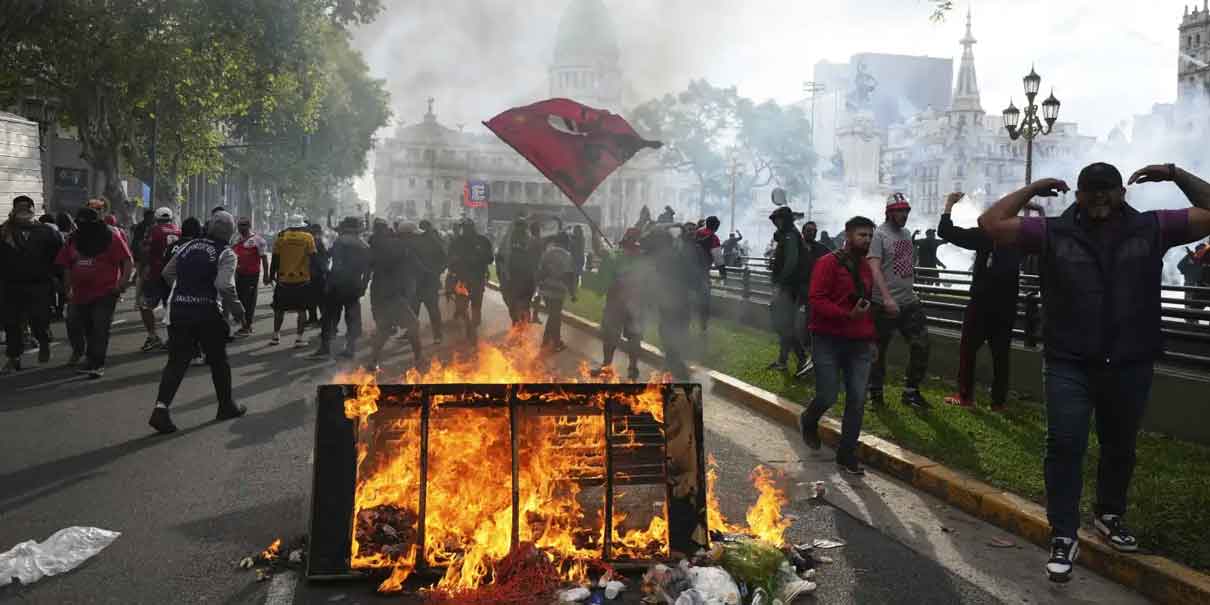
x,y
160,236
470,256
291,271
892,259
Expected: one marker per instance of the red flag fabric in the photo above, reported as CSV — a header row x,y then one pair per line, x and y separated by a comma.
x,y
573,145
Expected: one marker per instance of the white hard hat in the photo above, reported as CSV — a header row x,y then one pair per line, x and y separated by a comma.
x,y
163,213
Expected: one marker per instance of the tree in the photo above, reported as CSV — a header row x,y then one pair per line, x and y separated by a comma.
x,y
705,128
940,8
187,68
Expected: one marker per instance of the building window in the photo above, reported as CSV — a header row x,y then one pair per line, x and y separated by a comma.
x,y
428,208
409,208
445,209
411,182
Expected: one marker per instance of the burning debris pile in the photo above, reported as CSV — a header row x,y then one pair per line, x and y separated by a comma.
x,y
511,486
270,561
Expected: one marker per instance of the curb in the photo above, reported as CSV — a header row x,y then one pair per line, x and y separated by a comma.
x,y
1153,576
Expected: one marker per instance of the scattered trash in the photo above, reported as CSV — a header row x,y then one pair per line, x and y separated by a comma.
x,y
295,556
269,561
574,595
713,583
62,552
824,559
818,490
1001,543
337,597
826,543
948,530
247,563
263,574
613,588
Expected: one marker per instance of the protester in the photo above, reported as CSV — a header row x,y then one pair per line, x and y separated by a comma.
x,y
892,260
520,267
992,310
622,314
390,284
159,237
27,260
671,297
845,340
1102,267
346,284
709,256
537,245
556,277
202,274
137,236
826,241
58,294
789,273
252,252
98,265
578,251
812,251
926,255
1195,270
731,251
293,251
470,256
319,275
667,216
430,262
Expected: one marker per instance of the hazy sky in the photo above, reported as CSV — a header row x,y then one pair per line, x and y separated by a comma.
x,y
1106,59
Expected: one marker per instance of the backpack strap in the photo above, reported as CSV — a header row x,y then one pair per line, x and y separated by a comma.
x,y
847,261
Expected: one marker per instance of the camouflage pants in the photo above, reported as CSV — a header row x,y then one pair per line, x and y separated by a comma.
x,y
912,324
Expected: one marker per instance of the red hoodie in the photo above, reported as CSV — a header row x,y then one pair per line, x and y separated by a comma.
x,y
832,297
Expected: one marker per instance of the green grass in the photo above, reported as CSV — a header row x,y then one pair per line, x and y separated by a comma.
x,y
1169,497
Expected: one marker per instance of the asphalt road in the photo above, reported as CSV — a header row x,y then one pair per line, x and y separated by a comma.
x,y
190,505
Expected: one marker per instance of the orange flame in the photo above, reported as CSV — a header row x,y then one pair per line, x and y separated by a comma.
x,y
765,521
460,289
468,493
272,551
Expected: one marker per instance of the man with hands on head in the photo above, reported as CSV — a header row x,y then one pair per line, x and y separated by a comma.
x,y
1102,262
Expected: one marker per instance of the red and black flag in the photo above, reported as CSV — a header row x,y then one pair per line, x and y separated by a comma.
x,y
575,146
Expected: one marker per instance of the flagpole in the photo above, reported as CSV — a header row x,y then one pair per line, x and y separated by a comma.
x,y
591,223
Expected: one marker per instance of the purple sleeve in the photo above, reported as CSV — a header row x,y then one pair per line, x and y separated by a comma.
x,y
1031,239
1174,228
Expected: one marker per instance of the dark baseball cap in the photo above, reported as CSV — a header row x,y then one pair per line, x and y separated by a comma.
x,y
1099,176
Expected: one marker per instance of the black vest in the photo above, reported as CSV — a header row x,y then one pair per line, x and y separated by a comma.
x,y
194,297
1103,303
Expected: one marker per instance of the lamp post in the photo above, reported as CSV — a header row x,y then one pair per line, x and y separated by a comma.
x,y
814,89
1031,126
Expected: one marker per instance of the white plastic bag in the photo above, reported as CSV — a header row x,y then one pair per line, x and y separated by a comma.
x,y
65,550
715,584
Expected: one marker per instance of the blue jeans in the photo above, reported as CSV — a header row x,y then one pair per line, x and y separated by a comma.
x,y
835,356
1074,390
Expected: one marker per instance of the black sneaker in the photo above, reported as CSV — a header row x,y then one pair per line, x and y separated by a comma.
x,y
1115,533
153,343
850,467
74,360
161,421
1063,552
915,399
227,413
346,354
876,400
780,366
809,428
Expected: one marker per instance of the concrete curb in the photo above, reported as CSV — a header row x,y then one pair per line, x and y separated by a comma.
x,y
1153,576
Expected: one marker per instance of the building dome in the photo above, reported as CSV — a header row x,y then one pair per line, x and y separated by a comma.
x,y
586,35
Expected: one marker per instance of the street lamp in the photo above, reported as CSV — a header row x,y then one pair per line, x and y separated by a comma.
x,y
1031,126
813,89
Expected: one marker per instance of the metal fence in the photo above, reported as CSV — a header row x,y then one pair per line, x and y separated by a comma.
x,y
945,294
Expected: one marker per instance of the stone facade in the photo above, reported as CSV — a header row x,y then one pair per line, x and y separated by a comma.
x,y
421,170
1193,63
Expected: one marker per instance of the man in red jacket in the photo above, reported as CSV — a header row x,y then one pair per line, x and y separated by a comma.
x,y
845,340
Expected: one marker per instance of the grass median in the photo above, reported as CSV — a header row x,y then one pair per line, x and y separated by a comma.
x,y
1169,497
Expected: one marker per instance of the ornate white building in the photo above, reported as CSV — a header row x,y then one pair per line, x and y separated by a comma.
x,y
959,148
421,171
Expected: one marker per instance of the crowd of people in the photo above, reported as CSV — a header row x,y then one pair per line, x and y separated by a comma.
x,y
836,306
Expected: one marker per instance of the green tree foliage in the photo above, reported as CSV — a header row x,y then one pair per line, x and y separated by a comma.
x,y
197,72
713,133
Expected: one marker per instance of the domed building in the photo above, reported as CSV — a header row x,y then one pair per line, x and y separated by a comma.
x,y
422,171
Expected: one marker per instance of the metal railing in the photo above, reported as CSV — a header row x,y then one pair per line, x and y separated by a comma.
x,y
945,294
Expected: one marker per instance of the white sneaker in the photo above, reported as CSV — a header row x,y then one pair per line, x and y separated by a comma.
x,y
1063,553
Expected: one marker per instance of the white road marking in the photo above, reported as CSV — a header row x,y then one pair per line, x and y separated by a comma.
x,y
281,588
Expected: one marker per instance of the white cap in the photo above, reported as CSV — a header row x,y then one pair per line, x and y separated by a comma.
x,y
163,213
298,220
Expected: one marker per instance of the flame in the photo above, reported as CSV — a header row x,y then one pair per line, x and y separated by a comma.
x,y
764,518
468,506
272,551
460,289
765,521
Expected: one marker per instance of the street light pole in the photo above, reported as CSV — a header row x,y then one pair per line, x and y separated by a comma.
x,y
1031,126
812,88
733,169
